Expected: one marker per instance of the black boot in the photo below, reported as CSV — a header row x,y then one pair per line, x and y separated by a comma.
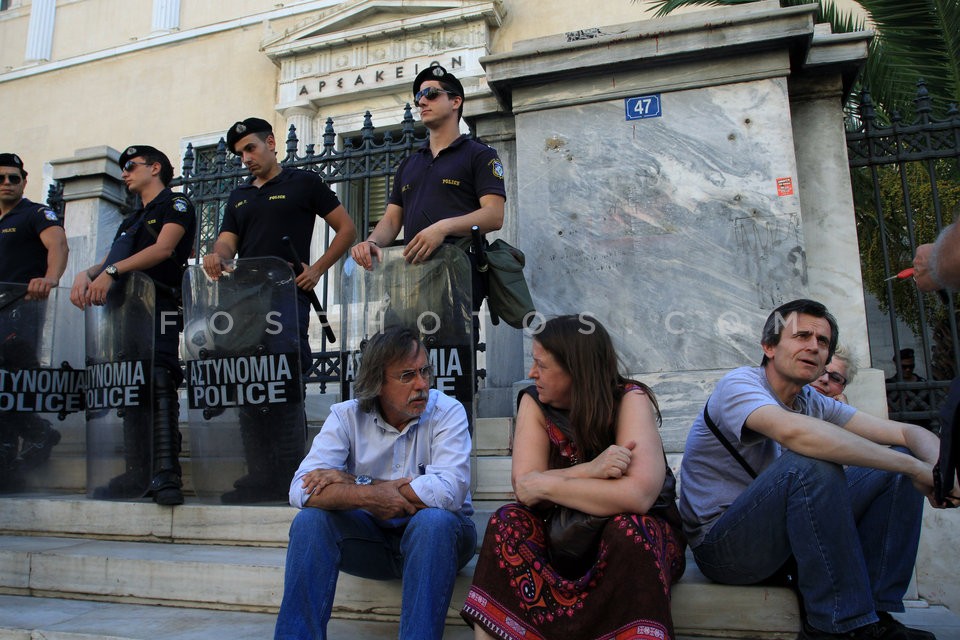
x,y
38,440
11,477
290,443
264,435
166,483
133,482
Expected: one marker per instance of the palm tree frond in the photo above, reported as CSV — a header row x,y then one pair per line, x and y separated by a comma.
x,y
664,7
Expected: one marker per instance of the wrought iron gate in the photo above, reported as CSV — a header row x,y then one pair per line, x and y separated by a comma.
x,y
906,181
363,166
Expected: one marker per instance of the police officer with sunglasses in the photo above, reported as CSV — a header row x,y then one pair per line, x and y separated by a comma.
x,y
33,245
33,251
444,188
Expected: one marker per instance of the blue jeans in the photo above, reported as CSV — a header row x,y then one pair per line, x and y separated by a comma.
x,y
853,531
426,554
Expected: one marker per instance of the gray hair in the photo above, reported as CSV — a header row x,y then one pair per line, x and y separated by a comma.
x,y
384,348
847,357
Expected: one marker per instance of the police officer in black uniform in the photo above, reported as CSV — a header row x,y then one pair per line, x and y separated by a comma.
x,y
443,189
33,252
275,202
156,240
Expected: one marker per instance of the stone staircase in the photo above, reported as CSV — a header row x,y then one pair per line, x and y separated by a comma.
x,y
79,569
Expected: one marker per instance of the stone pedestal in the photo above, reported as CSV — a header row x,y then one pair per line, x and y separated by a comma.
x,y
93,192
662,184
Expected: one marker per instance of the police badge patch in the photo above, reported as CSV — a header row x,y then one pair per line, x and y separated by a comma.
x,y
180,205
497,167
50,215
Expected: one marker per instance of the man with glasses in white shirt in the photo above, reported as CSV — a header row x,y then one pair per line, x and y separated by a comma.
x,y
383,494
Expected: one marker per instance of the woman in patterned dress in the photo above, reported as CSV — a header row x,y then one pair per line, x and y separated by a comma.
x,y
586,438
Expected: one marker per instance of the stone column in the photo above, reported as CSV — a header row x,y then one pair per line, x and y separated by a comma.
x,y
166,15
301,117
657,185
40,30
826,202
505,353
94,194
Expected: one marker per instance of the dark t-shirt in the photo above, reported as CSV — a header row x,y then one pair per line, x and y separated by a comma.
x,y
431,189
287,205
168,207
22,254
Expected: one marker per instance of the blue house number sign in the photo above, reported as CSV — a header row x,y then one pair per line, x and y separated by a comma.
x,y
641,107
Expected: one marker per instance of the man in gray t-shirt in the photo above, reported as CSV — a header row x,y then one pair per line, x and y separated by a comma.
x,y
829,489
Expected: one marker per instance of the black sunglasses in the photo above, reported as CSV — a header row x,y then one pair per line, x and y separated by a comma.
x,y
12,178
431,93
130,165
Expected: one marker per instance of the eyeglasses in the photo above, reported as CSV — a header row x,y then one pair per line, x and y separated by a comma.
x,y
836,377
12,178
406,377
130,165
431,93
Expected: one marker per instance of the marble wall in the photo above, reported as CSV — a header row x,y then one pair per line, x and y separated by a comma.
x,y
680,232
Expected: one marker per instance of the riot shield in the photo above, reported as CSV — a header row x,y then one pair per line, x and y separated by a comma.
x,y
433,297
42,434
241,348
119,394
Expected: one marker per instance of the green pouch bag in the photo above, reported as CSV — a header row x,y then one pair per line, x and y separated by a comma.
x,y
508,296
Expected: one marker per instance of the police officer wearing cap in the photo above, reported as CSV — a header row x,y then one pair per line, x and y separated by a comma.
x,y
275,202
33,245
444,188
156,240
33,251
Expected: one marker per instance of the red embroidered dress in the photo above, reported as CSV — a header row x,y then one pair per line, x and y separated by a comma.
x,y
624,594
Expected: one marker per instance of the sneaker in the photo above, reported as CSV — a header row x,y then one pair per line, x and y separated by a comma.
x,y
892,628
887,628
810,633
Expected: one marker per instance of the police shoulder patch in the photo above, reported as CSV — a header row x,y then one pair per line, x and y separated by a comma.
x,y
180,204
497,167
49,214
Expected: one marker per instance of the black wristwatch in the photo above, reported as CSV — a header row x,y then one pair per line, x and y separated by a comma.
x,y
111,270
362,480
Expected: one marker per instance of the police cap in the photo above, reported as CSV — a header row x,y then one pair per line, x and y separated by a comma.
x,y
151,153
245,128
441,75
12,160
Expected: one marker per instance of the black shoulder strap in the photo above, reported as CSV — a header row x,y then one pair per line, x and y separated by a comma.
x,y
726,443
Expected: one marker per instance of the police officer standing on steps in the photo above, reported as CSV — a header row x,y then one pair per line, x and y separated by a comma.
x,y
33,251
273,203
444,188
156,240
33,245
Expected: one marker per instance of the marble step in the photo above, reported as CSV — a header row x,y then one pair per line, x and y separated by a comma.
x,y
144,521
67,467
250,579
231,558
26,618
